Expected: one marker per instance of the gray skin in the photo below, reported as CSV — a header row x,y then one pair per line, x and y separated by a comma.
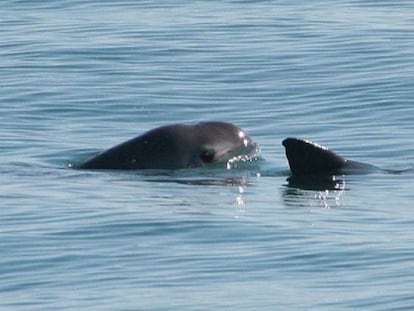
x,y
309,159
176,146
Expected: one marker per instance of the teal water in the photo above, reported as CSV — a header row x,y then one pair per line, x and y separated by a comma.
x,y
80,76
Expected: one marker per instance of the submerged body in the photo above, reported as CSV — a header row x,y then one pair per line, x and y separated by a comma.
x,y
176,146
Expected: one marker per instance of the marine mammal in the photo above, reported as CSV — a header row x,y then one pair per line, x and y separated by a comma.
x,y
176,146
310,159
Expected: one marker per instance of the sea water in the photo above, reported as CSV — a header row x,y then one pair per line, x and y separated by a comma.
x,y
78,77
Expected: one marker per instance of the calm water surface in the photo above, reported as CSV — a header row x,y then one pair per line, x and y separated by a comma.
x,y
80,76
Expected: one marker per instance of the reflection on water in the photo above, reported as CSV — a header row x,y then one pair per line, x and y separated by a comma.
x,y
238,181
320,183
321,191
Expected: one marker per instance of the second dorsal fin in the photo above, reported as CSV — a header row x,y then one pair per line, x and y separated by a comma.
x,y
307,158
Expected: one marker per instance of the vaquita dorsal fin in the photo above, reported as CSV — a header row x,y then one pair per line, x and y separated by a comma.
x,y
307,158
